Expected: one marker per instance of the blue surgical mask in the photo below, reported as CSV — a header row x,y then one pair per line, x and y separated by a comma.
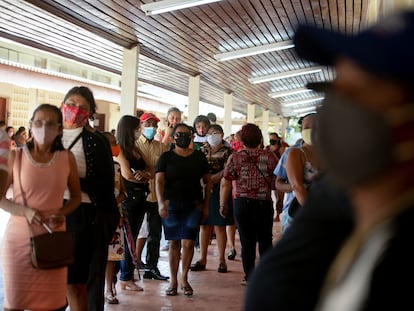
x,y
149,132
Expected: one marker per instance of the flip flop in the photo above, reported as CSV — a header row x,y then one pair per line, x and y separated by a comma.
x,y
188,290
171,291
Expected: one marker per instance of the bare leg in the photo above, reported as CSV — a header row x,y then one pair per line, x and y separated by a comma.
x,y
109,277
231,236
187,256
139,247
77,297
221,241
174,261
205,234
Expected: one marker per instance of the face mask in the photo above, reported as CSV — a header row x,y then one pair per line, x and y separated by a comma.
x,y
355,144
115,150
74,115
273,142
183,140
44,135
214,139
149,132
306,136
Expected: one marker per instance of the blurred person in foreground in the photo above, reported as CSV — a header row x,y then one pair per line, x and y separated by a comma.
x,y
372,96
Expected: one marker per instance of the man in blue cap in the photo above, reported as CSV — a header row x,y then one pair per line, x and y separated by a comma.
x,y
365,140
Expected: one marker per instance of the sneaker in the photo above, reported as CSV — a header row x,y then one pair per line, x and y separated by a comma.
x,y
244,282
165,248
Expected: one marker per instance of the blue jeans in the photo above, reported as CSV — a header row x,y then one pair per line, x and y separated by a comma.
x,y
255,223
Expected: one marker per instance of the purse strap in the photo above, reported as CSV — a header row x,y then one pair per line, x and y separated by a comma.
x,y
260,171
75,140
19,167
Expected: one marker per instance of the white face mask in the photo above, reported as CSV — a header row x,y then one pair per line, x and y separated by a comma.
x,y
306,135
214,139
44,135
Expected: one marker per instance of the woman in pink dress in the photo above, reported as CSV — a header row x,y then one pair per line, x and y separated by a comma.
x,y
40,173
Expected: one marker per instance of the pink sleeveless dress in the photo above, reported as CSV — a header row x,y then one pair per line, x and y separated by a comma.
x,y
43,185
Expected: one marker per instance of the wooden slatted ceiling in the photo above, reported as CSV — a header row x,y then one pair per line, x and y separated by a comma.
x,y
181,43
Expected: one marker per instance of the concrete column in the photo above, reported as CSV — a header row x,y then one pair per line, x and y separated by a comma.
x,y
265,126
193,98
228,109
129,81
251,118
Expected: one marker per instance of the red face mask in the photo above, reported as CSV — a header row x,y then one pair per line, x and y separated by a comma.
x,y
74,115
115,150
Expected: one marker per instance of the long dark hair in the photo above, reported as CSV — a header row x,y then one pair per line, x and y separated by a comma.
x,y
86,93
57,143
125,134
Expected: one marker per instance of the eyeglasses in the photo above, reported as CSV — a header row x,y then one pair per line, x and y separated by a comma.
x,y
41,123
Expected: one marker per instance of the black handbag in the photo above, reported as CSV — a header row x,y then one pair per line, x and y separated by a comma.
x,y
49,250
294,206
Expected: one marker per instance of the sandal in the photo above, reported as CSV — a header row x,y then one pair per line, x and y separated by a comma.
x,y
222,268
188,290
197,266
130,285
171,291
232,254
111,299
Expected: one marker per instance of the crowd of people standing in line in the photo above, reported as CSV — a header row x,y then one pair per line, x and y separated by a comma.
x,y
112,182
345,248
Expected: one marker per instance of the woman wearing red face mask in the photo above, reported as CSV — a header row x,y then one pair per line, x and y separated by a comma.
x,y
94,222
37,203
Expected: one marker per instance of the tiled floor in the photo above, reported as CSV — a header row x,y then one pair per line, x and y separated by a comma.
x,y
212,290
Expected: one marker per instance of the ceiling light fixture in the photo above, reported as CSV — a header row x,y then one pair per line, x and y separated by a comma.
x,y
283,75
254,50
307,109
288,93
303,101
163,6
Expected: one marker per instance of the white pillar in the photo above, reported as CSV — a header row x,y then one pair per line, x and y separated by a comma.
x,y
193,98
129,81
228,108
265,126
251,115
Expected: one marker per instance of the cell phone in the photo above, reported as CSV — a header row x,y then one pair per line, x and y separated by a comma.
x,y
133,170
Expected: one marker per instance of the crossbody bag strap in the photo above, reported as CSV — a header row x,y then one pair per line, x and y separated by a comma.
x,y
75,140
19,167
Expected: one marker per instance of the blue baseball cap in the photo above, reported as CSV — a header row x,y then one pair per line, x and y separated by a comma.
x,y
385,48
